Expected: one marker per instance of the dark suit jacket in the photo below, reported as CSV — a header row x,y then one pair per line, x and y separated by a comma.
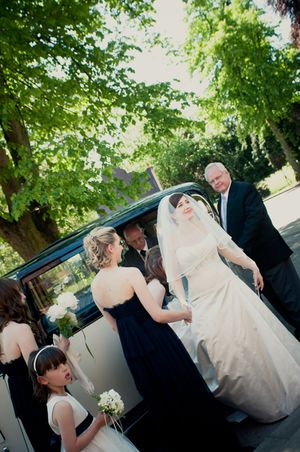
x,y
132,257
251,228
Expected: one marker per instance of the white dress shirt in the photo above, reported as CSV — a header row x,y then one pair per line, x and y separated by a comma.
x,y
224,200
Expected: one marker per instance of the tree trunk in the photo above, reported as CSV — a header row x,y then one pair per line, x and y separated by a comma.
x,y
34,229
23,236
286,149
43,222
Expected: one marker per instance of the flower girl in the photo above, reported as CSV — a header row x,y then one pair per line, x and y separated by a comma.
x,y
79,430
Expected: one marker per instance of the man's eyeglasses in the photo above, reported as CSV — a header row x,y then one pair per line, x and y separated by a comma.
x,y
137,240
216,179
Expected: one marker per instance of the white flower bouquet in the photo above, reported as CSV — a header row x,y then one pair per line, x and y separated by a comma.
x,y
110,402
61,313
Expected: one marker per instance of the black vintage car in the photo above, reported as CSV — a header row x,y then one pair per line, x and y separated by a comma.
x,y
63,267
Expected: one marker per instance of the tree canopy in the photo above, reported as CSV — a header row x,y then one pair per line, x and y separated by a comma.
x,y
66,94
250,79
184,157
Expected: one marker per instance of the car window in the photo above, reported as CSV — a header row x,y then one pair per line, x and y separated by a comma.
x,y
147,223
206,206
72,275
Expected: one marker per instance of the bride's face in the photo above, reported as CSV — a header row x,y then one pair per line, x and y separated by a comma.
x,y
184,210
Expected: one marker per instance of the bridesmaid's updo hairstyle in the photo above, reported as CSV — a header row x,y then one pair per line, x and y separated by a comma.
x,y
96,244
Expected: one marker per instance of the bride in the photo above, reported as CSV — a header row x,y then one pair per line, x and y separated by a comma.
x,y
252,358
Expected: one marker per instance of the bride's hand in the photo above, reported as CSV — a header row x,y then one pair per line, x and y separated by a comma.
x,y
258,279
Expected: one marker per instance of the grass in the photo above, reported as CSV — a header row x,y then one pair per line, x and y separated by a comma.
x,y
278,181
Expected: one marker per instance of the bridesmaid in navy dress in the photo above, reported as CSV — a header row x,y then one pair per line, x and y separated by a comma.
x,y
18,337
163,371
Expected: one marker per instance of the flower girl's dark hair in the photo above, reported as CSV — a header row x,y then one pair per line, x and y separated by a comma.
x,y
39,361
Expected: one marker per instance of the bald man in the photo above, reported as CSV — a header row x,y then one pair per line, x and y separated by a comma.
x,y
138,245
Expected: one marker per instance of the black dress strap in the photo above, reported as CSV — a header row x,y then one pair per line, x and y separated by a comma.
x,y
84,424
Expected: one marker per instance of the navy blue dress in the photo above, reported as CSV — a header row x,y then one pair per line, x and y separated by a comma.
x,y
170,383
32,413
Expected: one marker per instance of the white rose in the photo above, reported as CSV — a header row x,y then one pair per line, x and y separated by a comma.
x,y
56,312
72,317
112,393
67,300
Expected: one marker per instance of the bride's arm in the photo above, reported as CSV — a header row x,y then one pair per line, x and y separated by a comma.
x,y
170,261
178,288
156,312
244,261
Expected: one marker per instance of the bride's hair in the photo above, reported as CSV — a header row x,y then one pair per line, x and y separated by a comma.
x,y
96,244
175,198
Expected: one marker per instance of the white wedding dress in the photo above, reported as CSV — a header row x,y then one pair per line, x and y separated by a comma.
x,y
107,439
245,354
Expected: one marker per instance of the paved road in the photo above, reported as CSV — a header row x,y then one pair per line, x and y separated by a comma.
x,y
284,210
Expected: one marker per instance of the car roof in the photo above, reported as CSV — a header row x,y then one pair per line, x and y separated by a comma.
x,y
72,241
